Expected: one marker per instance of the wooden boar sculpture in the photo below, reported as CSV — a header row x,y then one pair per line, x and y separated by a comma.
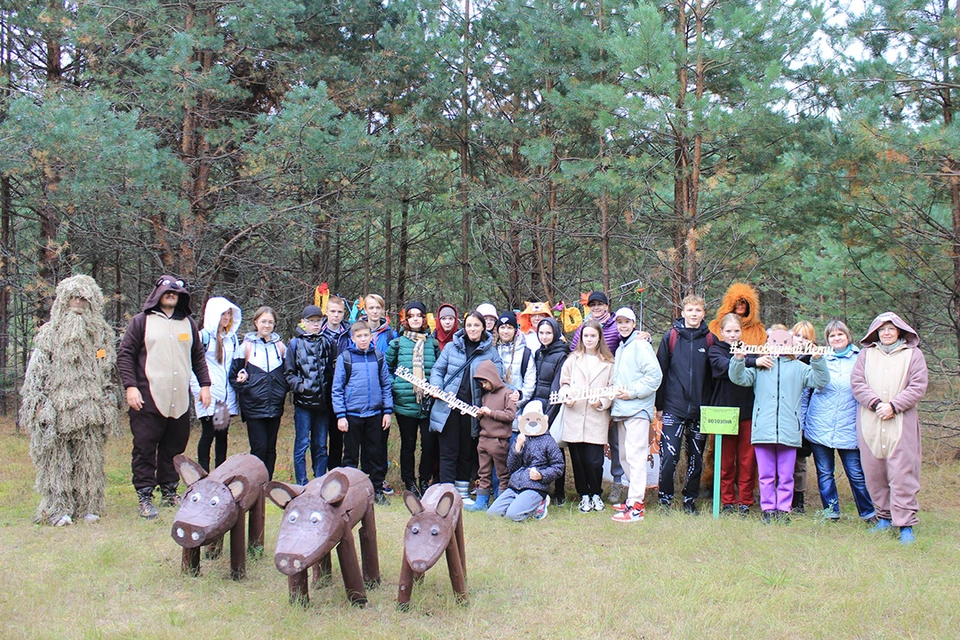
x,y
435,527
319,517
216,503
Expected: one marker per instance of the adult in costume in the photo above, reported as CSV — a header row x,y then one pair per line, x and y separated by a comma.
x,y
70,404
159,350
888,380
743,300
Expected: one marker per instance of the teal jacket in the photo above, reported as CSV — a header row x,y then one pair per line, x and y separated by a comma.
x,y
400,353
776,405
636,367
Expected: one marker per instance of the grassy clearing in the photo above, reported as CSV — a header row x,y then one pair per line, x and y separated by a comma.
x,y
571,575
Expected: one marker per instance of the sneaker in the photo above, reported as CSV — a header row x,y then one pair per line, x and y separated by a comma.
x,y
64,521
664,508
906,535
413,488
91,517
380,498
559,499
744,510
783,517
768,516
146,508
586,505
597,503
690,507
542,509
616,493
387,489
728,510
620,507
633,514
882,525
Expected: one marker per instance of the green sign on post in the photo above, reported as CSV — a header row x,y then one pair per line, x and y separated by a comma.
x,y
722,421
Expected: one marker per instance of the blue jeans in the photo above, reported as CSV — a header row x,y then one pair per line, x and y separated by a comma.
x,y
826,463
311,432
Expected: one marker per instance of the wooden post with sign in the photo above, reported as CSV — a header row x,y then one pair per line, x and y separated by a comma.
x,y
720,421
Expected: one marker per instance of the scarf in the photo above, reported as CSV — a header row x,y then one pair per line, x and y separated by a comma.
x,y
419,342
890,348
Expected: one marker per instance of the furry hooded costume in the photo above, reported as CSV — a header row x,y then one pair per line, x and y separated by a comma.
x,y
890,449
753,330
70,404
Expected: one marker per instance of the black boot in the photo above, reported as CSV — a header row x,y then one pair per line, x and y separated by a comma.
x,y
412,488
424,485
797,505
168,491
146,508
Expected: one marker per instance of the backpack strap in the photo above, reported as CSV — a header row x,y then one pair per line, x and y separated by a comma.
x,y
524,361
675,335
205,338
348,364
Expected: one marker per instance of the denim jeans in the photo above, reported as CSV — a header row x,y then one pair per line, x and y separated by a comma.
x,y
850,458
311,433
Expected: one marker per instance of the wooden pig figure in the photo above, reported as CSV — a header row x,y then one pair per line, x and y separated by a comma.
x,y
319,517
216,503
436,526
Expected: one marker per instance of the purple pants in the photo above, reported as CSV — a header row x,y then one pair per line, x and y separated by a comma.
x,y
775,463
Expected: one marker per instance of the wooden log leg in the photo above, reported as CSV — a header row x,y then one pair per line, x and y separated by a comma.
x,y
322,571
458,534
299,591
190,561
238,550
458,578
350,568
369,550
406,584
257,514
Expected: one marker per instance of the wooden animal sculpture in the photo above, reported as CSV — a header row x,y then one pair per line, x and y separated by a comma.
x,y
435,527
319,517
216,503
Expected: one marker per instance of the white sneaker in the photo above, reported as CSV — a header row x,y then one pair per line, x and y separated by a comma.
x,y
541,512
597,503
91,517
64,521
586,506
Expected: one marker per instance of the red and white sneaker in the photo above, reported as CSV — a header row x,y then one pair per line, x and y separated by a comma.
x,y
620,507
632,514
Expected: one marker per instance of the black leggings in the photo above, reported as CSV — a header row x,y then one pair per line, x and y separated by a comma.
x,y
209,436
587,461
262,433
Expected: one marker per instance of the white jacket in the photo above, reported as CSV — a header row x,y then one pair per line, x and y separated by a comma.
x,y
523,381
220,389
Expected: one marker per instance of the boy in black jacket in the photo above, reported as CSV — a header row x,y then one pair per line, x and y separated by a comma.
x,y
308,368
687,382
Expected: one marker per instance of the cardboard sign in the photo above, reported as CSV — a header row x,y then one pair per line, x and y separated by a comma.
x,y
720,420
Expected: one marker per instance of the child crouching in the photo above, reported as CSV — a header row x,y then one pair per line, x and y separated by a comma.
x,y
533,464
497,411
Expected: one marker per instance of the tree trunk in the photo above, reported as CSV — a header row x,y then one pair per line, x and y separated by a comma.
x,y
465,161
404,250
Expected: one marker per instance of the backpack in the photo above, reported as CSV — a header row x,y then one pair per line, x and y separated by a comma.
x,y
348,364
205,339
675,335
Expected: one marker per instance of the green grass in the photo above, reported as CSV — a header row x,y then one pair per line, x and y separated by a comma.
x,y
569,576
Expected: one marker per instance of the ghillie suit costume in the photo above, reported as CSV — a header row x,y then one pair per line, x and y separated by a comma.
x,y
70,404
752,332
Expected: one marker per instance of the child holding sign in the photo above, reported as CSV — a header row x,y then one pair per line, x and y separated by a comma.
x,y
776,427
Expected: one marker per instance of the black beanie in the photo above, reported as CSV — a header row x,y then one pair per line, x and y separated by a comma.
x,y
418,306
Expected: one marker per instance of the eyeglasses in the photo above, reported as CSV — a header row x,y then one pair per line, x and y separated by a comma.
x,y
165,282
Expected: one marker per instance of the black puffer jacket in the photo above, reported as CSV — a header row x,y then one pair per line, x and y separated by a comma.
x,y
308,368
264,392
549,361
687,379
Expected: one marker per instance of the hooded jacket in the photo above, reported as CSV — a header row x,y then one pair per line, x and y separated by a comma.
x,y
899,378
450,360
400,354
308,368
687,380
540,453
367,392
382,335
499,424
831,418
340,338
444,338
777,392
549,361
264,392
220,387
753,332
161,371
526,326
636,368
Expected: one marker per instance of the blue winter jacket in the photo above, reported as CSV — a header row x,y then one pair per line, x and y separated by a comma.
x,y
451,359
636,367
776,391
368,391
832,413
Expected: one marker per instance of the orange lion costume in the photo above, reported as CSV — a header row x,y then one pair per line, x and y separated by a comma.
x,y
753,330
